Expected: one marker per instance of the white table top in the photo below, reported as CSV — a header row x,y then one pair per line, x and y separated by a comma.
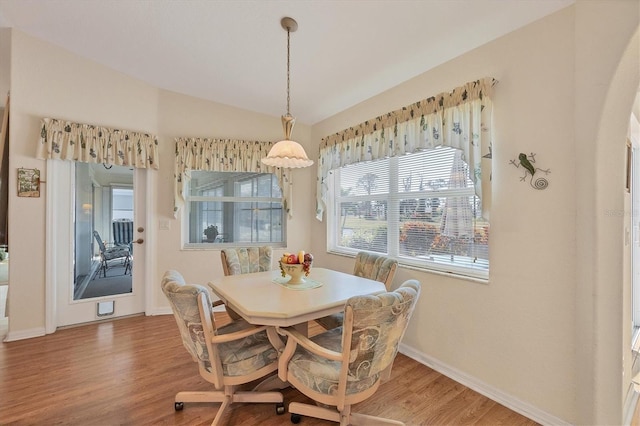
x,y
263,302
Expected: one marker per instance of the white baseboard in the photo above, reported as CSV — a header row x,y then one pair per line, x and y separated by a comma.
x,y
37,332
168,311
479,386
160,311
24,334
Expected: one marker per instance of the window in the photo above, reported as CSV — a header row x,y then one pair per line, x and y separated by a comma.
x,y
238,208
419,208
122,203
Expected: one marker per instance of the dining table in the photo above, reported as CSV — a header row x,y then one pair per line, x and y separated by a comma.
x,y
266,298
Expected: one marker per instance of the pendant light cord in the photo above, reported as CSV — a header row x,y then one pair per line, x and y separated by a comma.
x,y
288,53
287,153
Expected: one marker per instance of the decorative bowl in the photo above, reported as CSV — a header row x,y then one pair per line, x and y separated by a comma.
x,y
295,271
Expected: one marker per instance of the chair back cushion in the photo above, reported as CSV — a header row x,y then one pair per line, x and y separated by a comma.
x,y
375,267
122,232
379,323
247,260
183,299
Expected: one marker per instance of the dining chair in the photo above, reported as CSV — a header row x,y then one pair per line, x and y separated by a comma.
x,y
346,365
367,265
228,356
244,260
108,254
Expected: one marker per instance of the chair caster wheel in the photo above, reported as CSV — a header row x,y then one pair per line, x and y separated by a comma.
x,y
280,409
179,406
295,418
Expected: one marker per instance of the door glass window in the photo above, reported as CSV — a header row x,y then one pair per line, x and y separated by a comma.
x,y
103,197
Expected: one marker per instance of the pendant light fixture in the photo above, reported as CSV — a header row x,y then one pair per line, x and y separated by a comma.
x,y
287,153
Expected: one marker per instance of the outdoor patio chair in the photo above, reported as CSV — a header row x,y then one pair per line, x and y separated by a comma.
x,y
109,254
122,232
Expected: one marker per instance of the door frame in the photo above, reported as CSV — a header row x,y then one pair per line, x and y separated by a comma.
x,y
58,192
634,224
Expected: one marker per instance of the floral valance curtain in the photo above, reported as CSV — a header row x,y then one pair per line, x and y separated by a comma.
x,y
223,155
460,119
64,140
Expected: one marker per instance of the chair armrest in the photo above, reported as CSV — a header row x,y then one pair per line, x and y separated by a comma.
x,y
237,335
294,338
275,339
299,338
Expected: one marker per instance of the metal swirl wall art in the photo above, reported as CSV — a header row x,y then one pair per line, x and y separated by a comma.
x,y
527,162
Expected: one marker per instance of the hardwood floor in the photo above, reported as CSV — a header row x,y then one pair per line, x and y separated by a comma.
x,y
127,372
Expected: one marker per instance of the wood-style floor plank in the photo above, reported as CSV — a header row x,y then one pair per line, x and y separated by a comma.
x,y
127,372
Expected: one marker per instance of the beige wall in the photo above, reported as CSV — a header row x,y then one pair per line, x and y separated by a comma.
x,y
182,116
51,82
5,63
547,331
521,334
47,81
607,77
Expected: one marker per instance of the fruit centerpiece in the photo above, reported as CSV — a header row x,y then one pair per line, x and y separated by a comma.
x,y
296,265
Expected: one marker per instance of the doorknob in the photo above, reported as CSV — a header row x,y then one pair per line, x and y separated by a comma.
x,y
140,229
138,241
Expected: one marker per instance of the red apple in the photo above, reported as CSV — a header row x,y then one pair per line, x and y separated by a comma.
x,y
292,259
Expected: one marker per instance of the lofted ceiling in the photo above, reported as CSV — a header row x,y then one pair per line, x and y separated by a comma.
x,y
234,52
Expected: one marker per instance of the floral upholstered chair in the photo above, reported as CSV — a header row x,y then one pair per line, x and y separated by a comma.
x,y
246,260
227,356
346,365
368,265
243,260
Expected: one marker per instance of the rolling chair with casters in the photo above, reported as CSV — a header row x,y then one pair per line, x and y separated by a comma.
x,y
227,356
346,365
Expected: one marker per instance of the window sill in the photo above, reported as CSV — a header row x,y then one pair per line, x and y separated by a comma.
x,y
424,270
446,274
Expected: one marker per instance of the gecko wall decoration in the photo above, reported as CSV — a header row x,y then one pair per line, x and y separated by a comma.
x,y
530,170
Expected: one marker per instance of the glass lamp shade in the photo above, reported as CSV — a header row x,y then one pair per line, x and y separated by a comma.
x,y
287,154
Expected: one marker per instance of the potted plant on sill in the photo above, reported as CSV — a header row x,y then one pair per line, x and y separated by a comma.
x,y
211,232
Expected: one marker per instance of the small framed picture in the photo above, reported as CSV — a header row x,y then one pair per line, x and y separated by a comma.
x,y
28,183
